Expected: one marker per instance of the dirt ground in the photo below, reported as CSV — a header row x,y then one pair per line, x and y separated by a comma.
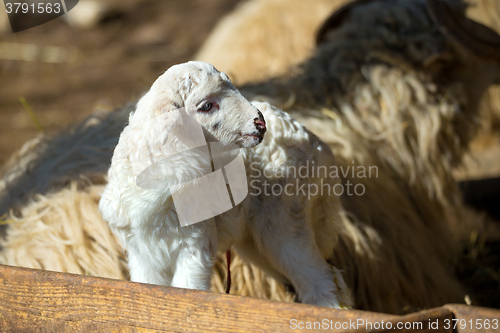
x,y
66,73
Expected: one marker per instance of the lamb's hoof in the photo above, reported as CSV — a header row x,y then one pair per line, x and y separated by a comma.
x,y
344,296
344,306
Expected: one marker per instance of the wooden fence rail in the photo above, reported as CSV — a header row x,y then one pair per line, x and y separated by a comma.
x,y
44,301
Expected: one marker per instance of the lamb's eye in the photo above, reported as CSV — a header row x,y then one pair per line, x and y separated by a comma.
x,y
206,107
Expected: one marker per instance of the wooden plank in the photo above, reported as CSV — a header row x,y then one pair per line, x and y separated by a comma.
x,y
474,319
432,320
44,301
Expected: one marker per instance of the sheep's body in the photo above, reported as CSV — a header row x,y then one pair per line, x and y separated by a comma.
x,y
56,161
377,85
389,105
257,52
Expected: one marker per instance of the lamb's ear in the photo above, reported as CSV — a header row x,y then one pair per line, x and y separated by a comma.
x,y
167,105
174,87
164,124
158,114
166,100
186,85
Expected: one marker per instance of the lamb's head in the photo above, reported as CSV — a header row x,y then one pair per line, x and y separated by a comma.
x,y
209,97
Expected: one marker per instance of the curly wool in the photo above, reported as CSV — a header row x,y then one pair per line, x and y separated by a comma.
x,y
49,163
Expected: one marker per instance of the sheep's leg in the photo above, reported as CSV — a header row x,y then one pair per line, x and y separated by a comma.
x,y
291,250
193,269
145,268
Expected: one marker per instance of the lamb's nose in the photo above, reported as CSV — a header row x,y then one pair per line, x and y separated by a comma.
x,y
260,124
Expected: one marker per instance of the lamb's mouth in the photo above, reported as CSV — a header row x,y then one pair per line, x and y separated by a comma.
x,y
251,140
258,137
254,136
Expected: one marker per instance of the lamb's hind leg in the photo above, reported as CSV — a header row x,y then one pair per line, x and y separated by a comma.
x,y
248,252
291,250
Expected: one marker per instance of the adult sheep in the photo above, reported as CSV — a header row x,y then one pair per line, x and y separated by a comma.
x,y
382,68
402,236
264,39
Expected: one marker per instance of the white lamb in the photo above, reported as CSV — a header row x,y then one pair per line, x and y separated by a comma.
x,y
289,236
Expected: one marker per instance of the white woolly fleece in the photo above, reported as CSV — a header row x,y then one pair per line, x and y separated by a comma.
x,y
290,236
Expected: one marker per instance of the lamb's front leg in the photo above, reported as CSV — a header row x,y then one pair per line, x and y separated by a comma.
x,y
196,256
